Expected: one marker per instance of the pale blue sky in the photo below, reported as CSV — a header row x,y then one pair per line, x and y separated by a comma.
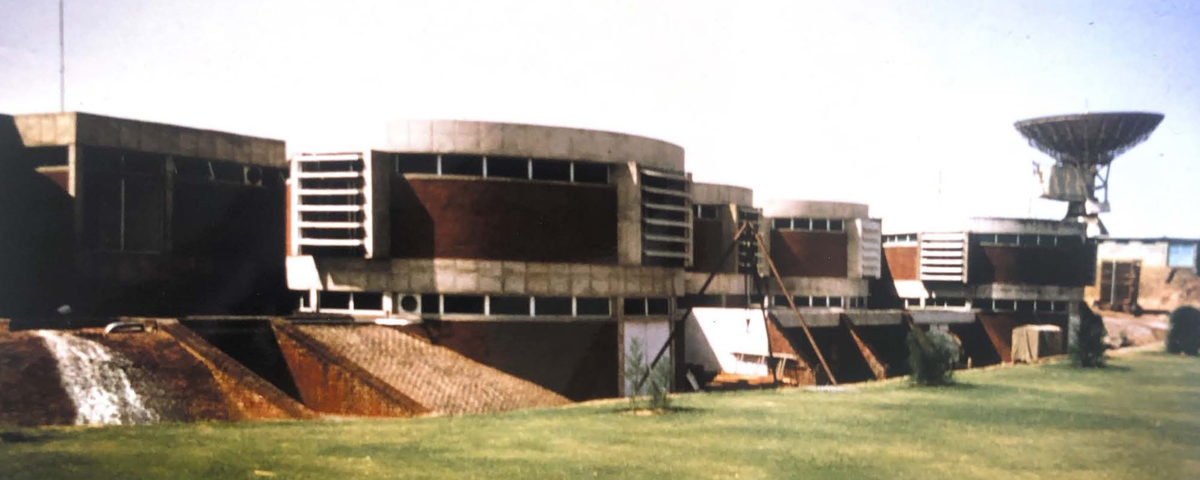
x,y
871,102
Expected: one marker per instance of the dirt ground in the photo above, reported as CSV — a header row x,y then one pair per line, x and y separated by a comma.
x,y
1126,330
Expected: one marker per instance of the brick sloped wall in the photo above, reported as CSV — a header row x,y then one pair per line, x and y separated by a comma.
x,y
248,396
331,383
435,378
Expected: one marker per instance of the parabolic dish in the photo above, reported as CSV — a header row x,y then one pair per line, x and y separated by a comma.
x,y
1088,137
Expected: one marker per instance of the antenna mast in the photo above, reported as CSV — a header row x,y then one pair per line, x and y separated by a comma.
x,y
62,63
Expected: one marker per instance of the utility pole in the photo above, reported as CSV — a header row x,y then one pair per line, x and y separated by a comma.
x,y
62,63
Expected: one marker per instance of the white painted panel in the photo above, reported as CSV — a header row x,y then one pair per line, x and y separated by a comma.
x,y
302,273
736,337
652,334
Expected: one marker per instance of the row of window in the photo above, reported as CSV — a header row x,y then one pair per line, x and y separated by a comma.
x,y
811,224
903,237
820,301
490,166
993,304
100,160
514,305
1028,240
1007,239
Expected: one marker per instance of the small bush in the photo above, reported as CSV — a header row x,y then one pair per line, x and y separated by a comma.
x,y
932,357
657,387
1089,348
1183,331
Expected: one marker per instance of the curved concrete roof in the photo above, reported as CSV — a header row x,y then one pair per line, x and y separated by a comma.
x,y
719,193
520,140
992,225
813,208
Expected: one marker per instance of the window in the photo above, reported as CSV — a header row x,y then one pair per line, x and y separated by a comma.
x,y
505,305
334,300
657,306
431,304
462,165
417,163
551,170
1181,255
552,306
462,304
368,301
507,167
706,212
647,306
810,224
592,306
586,172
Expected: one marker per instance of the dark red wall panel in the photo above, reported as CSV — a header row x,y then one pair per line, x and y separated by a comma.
x,y
709,242
809,254
503,220
1065,266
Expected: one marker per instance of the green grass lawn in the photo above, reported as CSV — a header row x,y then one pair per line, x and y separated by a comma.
x,y
1138,419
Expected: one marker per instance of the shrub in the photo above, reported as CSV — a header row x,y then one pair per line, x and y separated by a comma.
x,y
1183,331
932,357
657,386
1089,348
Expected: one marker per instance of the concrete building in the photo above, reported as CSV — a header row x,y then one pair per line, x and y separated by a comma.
x,y
116,216
544,252
1005,272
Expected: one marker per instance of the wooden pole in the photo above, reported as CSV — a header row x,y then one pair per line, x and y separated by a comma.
x,y
792,303
674,332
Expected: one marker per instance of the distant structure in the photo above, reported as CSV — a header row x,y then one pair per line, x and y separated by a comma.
x,y
1146,274
1007,272
1083,146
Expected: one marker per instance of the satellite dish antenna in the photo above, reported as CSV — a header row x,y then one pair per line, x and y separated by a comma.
x,y
1083,146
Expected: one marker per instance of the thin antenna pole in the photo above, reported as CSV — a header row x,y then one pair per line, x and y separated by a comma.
x,y
62,63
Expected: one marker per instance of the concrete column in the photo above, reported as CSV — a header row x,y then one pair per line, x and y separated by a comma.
x,y
380,169
1073,318
629,214
618,308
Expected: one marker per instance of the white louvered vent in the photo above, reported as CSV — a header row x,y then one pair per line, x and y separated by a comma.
x,y
870,233
943,256
330,199
666,218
